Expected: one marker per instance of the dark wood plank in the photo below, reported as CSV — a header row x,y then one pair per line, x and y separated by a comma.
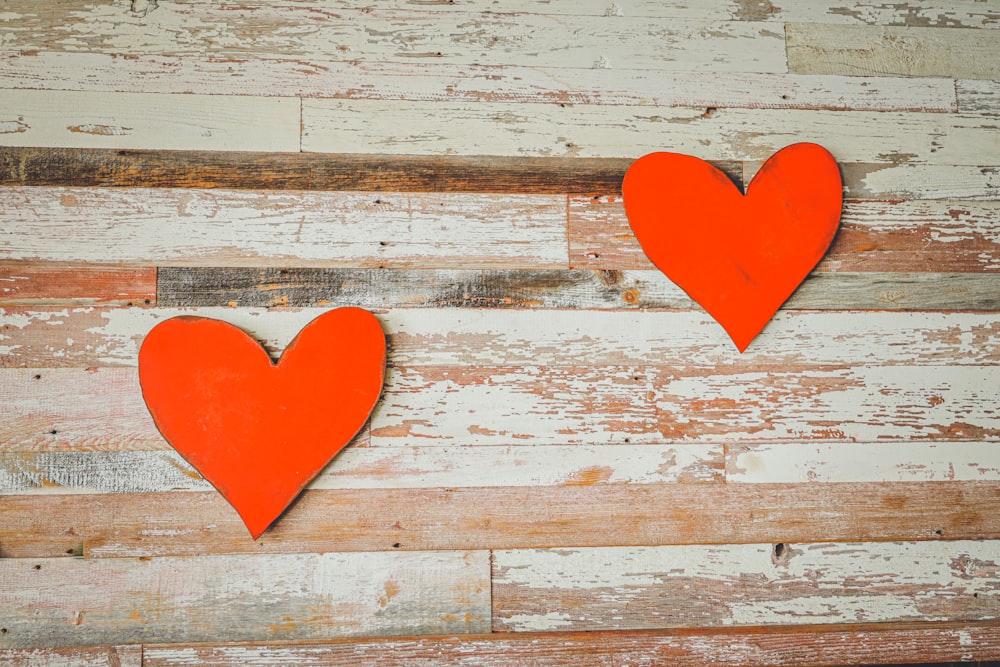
x,y
598,289
183,523
315,171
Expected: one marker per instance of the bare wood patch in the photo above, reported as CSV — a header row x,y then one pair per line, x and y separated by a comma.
x,y
751,585
33,284
58,602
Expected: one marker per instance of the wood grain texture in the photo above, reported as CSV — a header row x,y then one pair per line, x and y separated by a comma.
x,y
141,120
831,646
910,181
367,520
892,51
874,236
545,130
68,601
752,584
360,467
595,289
978,97
292,77
238,227
74,656
24,283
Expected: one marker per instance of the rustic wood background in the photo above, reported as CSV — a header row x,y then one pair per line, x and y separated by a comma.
x,y
570,464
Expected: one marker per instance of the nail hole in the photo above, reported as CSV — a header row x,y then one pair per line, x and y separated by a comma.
x,y
70,552
38,376
3,631
147,301
38,567
53,432
939,532
779,549
383,243
396,545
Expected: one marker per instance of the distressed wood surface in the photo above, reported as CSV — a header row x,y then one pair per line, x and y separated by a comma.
x,y
349,520
68,601
28,283
752,584
892,51
142,120
594,289
288,77
74,656
978,97
819,646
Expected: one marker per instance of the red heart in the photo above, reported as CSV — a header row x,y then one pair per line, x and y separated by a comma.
x,y
258,431
739,256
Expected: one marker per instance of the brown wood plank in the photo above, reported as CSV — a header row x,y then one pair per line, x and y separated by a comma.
x,y
314,171
73,656
24,284
181,523
598,289
820,646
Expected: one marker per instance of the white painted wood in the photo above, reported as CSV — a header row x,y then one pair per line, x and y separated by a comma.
x,y
469,83
978,96
188,227
251,597
74,656
143,120
431,128
868,462
924,181
683,586
78,472
470,338
893,51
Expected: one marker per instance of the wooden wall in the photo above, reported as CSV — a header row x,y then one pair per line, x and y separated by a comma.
x,y
570,464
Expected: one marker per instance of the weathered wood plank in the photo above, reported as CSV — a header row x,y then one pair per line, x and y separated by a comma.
x,y
831,646
749,585
978,97
607,289
142,120
25,283
74,656
118,525
300,31
470,338
906,235
862,462
360,467
238,227
67,601
893,51
273,76
540,130
920,181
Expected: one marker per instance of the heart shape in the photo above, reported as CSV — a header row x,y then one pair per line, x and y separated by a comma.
x,y
259,431
739,256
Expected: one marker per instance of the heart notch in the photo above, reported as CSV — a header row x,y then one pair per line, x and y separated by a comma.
x,y
259,431
739,256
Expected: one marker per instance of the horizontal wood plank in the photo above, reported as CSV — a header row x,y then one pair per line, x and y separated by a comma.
x,y
892,51
920,181
30,283
831,646
152,524
239,227
749,585
862,462
360,467
470,338
905,235
68,601
545,130
595,289
73,656
294,77
143,120
978,96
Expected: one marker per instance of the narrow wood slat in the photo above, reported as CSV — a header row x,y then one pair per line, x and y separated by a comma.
x,y
74,656
142,120
65,601
359,467
597,289
749,585
294,77
893,51
830,646
33,284
238,227
978,97
537,130
119,525
491,338
873,236
790,463
920,181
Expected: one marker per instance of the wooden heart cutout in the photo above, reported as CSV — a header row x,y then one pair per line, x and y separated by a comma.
x,y
259,431
738,256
